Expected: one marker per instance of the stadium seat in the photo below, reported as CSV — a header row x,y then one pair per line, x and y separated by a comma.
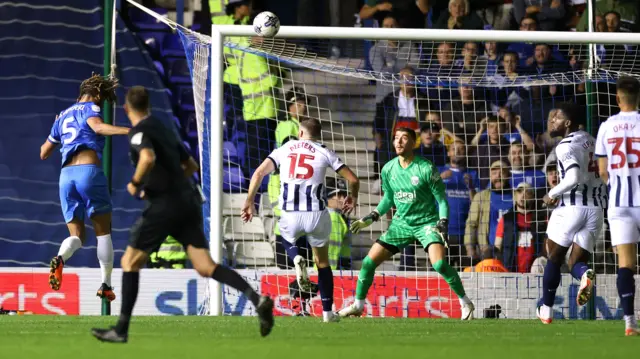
x,y
152,47
172,46
233,180
143,21
232,203
185,99
159,68
236,230
179,73
229,152
265,208
253,254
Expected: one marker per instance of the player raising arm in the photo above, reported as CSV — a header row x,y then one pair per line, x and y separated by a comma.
x,y
414,186
163,171
83,186
303,164
578,220
618,149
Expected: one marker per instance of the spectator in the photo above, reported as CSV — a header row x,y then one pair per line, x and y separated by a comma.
x,y
430,146
519,234
487,208
459,16
543,65
615,57
340,239
548,13
410,13
461,186
612,21
512,122
575,8
470,64
445,66
461,115
506,94
496,147
552,176
446,136
521,170
628,10
390,57
401,108
492,57
525,50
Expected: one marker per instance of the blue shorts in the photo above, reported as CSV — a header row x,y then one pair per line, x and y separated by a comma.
x,y
83,189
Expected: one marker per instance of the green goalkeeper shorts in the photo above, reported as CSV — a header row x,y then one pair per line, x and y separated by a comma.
x,y
398,236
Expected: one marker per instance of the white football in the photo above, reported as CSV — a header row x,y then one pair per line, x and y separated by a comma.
x,y
266,24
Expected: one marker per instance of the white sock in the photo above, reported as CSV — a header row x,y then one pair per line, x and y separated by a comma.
x,y
630,322
69,246
464,300
105,257
359,303
327,315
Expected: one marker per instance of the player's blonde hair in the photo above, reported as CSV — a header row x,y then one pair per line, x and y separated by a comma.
x,y
100,88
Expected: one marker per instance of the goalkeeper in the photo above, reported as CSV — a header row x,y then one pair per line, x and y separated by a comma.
x,y
414,186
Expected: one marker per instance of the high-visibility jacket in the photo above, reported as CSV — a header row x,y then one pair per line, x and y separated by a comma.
x,y
257,84
171,254
217,10
219,17
339,243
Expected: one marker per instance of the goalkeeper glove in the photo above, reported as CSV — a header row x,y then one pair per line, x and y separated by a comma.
x,y
443,227
364,222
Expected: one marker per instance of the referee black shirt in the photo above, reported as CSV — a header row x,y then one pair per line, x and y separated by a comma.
x,y
167,175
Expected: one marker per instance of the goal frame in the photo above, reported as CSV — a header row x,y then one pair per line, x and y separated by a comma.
x,y
219,32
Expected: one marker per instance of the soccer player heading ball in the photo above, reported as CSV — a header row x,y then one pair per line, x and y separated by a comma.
x,y
83,186
414,186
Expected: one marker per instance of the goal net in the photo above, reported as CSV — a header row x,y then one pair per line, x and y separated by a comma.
x,y
481,112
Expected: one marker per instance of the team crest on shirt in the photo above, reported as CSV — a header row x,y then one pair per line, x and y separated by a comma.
x,y
95,108
415,180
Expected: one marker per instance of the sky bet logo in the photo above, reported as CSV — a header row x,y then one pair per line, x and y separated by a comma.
x,y
186,302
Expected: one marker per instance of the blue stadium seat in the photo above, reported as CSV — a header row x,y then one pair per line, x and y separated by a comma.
x,y
185,100
143,21
179,73
159,68
229,152
172,46
233,179
4,170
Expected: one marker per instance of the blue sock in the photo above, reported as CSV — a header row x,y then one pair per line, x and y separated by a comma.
x,y
550,283
325,282
626,290
291,249
578,270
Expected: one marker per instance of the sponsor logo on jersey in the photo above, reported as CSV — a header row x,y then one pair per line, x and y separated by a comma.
x,y
415,180
136,139
404,197
95,108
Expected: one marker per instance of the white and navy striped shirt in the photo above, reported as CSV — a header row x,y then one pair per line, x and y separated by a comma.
x,y
577,150
619,141
303,165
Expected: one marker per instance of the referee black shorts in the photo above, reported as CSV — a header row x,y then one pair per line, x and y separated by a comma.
x,y
180,217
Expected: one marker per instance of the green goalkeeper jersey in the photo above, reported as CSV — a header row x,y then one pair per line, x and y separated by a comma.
x,y
417,192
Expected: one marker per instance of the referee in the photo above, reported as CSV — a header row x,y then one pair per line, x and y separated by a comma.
x,y
174,207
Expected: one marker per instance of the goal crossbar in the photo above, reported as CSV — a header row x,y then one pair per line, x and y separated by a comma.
x,y
316,32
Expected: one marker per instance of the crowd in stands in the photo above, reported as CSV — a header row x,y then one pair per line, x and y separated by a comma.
x,y
479,116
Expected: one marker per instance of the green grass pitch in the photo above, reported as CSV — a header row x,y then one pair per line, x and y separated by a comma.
x,y
49,337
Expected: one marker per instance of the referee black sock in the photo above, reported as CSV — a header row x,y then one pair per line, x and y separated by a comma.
x,y
130,284
230,277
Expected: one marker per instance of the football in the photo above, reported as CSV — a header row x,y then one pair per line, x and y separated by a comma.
x,y
266,24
